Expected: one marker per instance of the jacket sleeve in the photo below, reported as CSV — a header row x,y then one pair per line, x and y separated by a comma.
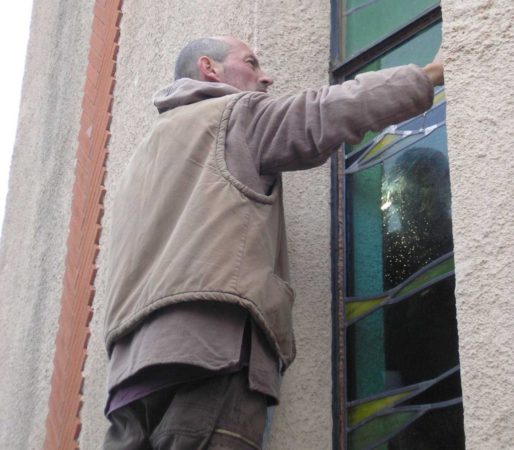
x,y
301,131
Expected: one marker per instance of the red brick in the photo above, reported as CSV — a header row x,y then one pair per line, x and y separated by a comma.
x,y
90,90
97,43
95,60
101,12
99,27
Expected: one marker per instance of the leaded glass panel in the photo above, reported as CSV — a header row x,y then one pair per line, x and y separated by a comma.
x,y
367,21
402,363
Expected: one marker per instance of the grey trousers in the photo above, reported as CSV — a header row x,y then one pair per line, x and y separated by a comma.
x,y
218,413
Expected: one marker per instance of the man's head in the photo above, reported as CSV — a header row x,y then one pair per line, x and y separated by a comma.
x,y
222,59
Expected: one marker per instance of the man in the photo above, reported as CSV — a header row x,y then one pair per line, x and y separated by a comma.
x,y
198,321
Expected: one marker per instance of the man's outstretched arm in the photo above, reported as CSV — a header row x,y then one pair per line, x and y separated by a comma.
x,y
301,131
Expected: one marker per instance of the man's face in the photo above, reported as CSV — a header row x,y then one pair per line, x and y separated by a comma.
x,y
241,68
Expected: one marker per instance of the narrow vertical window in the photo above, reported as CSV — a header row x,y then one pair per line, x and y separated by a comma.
x,y
397,365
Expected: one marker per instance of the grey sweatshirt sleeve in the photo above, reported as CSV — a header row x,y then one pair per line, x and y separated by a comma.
x,y
301,131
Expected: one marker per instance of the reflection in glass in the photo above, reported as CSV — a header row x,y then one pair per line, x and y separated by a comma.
x,y
416,208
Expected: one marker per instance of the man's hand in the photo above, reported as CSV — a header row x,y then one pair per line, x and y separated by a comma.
x,y
435,70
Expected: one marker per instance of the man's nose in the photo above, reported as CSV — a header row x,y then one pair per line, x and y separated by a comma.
x,y
266,80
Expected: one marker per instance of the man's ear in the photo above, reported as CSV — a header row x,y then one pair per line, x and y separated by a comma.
x,y
208,69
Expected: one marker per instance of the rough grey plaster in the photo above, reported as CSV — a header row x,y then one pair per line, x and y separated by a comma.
x,y
35,229
291,38
479,44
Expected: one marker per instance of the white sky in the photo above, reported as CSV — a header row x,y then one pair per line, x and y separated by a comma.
x,y
14,32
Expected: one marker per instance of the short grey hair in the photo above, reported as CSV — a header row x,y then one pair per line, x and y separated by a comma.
x,y
185,65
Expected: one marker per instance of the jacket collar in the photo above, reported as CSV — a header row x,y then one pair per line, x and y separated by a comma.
x,y
186,91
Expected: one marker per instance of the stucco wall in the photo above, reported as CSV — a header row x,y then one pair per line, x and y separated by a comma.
x,y
291,39
479,44
35,229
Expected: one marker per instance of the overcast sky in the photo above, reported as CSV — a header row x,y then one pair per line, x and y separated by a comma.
x,y
14,32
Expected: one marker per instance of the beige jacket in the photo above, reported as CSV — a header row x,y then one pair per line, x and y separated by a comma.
x,y
270,135
186,230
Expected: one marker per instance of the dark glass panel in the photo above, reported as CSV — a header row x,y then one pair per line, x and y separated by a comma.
x,y
367,21
419,343
440,429
446,389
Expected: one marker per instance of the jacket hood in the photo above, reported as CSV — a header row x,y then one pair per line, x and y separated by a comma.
x,y
186,91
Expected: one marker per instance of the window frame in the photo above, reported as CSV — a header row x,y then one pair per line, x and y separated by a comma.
x,y
340,68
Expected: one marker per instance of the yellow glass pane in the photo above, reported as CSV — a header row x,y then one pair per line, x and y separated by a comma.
x,y
383,142
354,310
365,410
444,267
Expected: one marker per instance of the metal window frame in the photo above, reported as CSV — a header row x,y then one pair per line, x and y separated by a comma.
x,y
341,69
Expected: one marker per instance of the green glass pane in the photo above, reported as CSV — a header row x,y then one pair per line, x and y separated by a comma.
x,y
366,22
365,410
367,225
351,4
379,429
443,268
368,375
366,231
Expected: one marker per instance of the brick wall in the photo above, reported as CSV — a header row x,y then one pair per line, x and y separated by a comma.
x,y
63,420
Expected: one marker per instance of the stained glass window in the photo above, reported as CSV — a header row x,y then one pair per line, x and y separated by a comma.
x,y
400,379
367,21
